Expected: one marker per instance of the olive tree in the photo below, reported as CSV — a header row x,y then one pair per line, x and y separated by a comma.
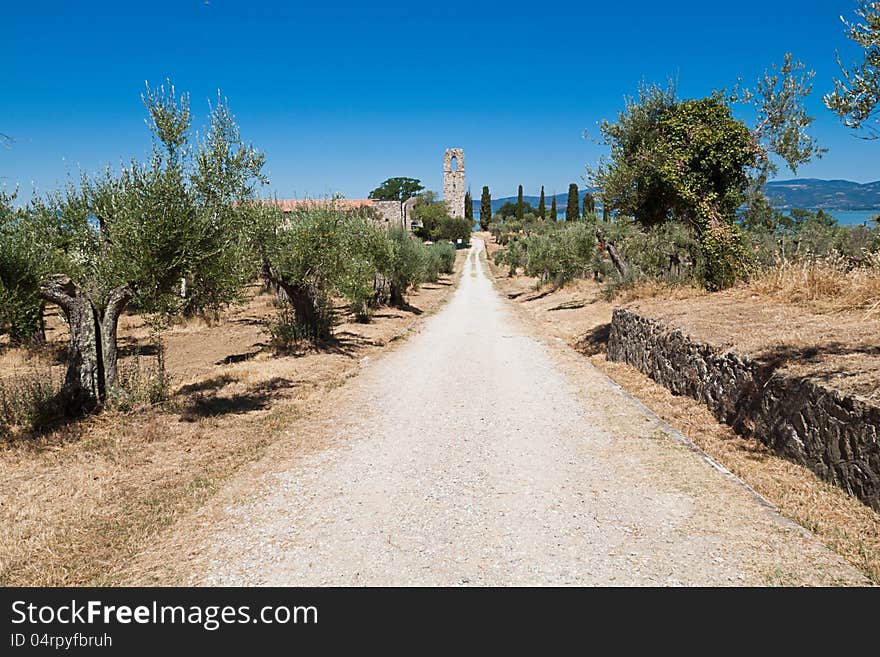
x,y
135,233
27,251
303,254
856,95
693,162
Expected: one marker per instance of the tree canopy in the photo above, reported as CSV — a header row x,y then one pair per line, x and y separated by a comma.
x,y
397,189
856,95
128,237
693,162
436,224
573,206
485,208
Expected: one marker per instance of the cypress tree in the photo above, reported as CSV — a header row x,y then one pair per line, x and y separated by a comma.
x,y
606,212
573,209
468,207
589,206
519,204
554,214
542,209
485,208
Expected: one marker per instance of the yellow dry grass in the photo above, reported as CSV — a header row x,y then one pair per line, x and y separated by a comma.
x,y
824,284
78,502
840,521
752,318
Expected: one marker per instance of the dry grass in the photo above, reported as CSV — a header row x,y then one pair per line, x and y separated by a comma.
x,y
30,386
824,284
840,521
80,501
652,289
845,343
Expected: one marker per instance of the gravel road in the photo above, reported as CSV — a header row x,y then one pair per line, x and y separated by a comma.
x,y
478,453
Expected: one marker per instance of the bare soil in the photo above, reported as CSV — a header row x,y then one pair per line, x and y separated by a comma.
x,y
77,502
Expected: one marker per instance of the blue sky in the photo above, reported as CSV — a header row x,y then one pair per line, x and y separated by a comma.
x,y
342,96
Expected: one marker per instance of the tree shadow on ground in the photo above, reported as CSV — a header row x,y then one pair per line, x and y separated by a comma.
x,y
595,341
214,383
238,358
212,406
258,398
784,355
407,307
573,305
130,348
248,321
540,295
348,344
386,315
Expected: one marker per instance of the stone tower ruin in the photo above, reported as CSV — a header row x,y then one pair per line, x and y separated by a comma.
x,y
453,182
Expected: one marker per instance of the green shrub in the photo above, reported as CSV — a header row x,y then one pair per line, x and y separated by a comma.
x,y
431,264
405,266
513,257
446,253
367,248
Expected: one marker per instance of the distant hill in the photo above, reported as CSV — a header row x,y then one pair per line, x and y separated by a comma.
x,y
813,193
808,193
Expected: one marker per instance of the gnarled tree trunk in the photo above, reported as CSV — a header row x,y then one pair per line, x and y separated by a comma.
x,y
91,353
304,303
119,298
395,296
616,260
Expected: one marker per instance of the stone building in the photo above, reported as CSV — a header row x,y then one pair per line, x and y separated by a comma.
x,y
387,214
392,213
453,182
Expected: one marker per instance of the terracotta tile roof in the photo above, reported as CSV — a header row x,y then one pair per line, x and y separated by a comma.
x,y
289,205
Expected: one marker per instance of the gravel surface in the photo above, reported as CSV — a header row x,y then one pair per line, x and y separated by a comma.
x,y
479,454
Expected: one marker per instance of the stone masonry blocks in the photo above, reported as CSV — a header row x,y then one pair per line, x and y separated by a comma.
x,y
453,182
836,435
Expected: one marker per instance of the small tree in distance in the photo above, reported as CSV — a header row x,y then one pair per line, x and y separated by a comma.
x,y
589,207
519,203
572,209
485,208
554,213
399,189
468,207
542,208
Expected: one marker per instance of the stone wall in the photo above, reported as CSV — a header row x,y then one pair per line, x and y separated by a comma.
x,y
837,436
391,213
453,182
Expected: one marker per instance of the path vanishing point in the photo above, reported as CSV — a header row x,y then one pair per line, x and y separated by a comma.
x,y
481,453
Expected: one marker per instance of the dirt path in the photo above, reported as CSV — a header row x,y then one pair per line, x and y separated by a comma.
x,y
477,453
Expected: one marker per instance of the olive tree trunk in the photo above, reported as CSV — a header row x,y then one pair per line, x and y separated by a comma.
x,y
304,302
396,295
92,355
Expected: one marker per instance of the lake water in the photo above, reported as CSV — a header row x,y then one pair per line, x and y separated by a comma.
x,y
844,217
853,217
